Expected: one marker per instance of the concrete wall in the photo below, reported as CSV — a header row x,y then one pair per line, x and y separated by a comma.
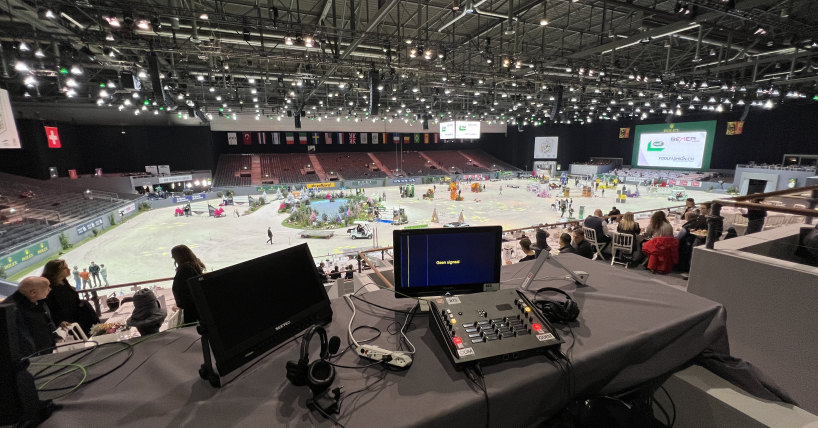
x,y
776,179
770,304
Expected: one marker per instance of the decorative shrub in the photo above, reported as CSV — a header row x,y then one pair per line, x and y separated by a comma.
x,y
64,241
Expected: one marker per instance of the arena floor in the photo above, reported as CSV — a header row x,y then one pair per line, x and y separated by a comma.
x,y
140,249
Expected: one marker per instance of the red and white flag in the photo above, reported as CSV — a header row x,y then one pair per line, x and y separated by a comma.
x,y
328,137
351,138
302,138
247,138
53,137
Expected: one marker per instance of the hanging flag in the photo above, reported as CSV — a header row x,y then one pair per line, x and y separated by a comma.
x,y
384,138
425,138
396,138
437,138
276,138
232,138
302,138
374,138
351,138
316,138
290,139
247,138
417,138
328,137
340,138
53,137
406,139
364,138
262,138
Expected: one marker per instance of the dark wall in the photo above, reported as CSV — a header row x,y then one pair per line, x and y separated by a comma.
x,y
768,136
86,147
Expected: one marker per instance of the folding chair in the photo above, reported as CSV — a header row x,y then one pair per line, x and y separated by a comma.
x,y
773,222
590,235
802,206
622,242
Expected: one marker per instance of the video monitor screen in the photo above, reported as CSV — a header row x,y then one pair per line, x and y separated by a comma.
x,y
454,260
674,146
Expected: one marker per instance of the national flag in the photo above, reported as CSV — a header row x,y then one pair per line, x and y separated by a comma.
x,y
247,138
374,138
417,138
351,138
396,138
437,138
340,138
364,138
425,138
276,138
316,138
53,137
328,137
262,138
302,138
406,139
384,138
290,139
232,138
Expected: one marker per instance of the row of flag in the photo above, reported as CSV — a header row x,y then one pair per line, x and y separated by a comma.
x,y
315,138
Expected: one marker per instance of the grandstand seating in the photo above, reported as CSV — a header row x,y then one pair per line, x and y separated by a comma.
x,y
661,173
453,158
290,166
413,164
228,166
485,159
351,166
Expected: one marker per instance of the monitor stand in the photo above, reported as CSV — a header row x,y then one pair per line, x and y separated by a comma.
x,y
580,277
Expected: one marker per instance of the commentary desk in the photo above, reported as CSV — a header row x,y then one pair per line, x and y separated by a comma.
x,y
630,331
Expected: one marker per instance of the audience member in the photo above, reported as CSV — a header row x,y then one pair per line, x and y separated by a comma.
x,y
525,244
755,219
541,242
335,273
187,266
596,223
659,226
35,326
584,248
348,272
64,301
565,244
148,315
690,206
614,215
94,269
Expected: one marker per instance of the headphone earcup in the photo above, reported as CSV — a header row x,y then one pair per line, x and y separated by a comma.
x,y
297,372
571,310
320,375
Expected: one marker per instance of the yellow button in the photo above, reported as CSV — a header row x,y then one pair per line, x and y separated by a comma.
x,y
454,321
527,309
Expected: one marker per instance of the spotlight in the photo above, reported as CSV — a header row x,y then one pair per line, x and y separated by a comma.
x,y
39,53
288,40
759,31
20,66
204,17
30,81
142,24
308,41
23,47
112,21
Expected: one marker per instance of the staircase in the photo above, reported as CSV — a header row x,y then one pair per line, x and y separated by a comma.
x,y
255,171
475,162
436,165
380,165
319,170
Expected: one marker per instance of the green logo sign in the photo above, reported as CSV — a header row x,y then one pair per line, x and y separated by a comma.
x,y
462,127
655,146
420,226
23,255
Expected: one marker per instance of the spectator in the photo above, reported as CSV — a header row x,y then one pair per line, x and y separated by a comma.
x,y
541,242
348,272
565,244
64,301
584,248
335,274
525,244
628,225
755,219
596,223
76,273
104,272
613,214
85,275
94,269
690,206
35,326
148,315
187,266
659,226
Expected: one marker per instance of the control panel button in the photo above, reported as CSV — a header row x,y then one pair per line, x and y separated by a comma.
x,y
474,335
471,330
478,340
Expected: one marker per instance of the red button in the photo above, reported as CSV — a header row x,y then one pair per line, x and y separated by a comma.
x,y
535,326
457,340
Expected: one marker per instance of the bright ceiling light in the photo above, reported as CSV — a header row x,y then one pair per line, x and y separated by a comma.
x,y
20,66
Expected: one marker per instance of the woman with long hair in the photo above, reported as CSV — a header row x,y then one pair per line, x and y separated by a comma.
x,y
187,266
659,226
64,301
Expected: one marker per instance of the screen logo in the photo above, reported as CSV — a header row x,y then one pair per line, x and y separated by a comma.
x,y
655,146
282,326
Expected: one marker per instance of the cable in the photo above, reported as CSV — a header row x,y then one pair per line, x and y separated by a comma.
x,y
128,346
321,411
384,371
662,409
479,372
79,367
406,323
379,306
672,405
349,329
298,336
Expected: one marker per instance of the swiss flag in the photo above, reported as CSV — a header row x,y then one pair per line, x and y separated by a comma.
x,y
53,137
248,138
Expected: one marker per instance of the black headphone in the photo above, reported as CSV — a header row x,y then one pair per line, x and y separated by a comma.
x,y
319,374
560,312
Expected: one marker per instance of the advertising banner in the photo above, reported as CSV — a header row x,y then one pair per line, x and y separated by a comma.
x,y
88,226
447,130
189,198
320,185
8,128
545,147
175,178
403,180
129,208
684,183
468,130
677,145
23,255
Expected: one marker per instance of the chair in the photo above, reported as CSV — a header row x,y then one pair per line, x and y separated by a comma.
x,y
802,206
590,235
773,221
622,242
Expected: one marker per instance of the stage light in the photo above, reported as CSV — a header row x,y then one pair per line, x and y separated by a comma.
x,y
23,47
759,31
20,66
30,81
39,53
308,41
768,104
288,40
112,21
103,93
76,70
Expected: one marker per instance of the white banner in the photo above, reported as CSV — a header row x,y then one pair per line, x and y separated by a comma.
x,y
175,178
129,208
468,130
164,169
232,139
545,147
446,130
8,129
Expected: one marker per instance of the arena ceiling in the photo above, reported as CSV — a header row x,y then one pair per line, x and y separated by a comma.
x,y
497,60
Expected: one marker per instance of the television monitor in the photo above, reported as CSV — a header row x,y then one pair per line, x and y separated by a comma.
x,y
249,308
434,262
683,146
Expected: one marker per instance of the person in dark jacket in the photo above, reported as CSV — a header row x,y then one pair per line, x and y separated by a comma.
x,y
584,248
541,242
64,301
335,274
148,315
525,244
565,244
187,266
598,224
755,219
348,272
94,269
37,328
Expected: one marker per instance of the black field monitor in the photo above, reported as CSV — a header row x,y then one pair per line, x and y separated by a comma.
x,y
249,308
435,262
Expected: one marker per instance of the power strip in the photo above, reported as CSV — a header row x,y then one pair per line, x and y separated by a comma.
x,y
376,353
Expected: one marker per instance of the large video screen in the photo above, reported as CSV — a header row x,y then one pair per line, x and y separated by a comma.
x,y
546,147
685,146
467,130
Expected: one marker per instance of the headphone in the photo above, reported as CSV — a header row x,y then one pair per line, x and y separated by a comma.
x,y
561,312
319,374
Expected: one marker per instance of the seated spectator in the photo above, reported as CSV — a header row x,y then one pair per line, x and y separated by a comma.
x,y
596,223
614,215
565,244
35,326
321,272
755,219
348,272
690,206
584,248
64,301
187,266
148,315
659,226
541,242
525,244
335,273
